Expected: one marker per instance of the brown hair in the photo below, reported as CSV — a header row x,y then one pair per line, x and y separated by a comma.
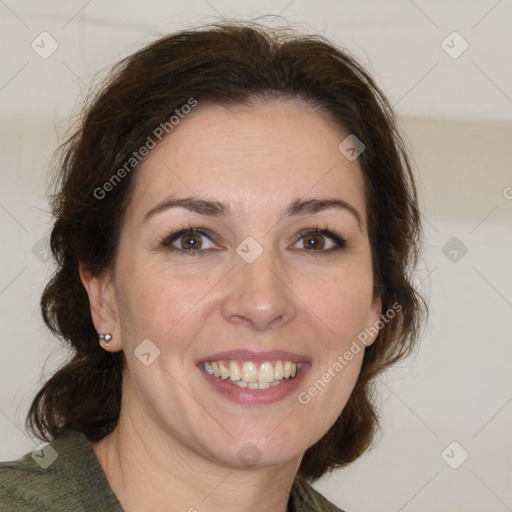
x,y
223,64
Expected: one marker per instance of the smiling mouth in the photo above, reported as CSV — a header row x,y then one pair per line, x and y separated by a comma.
x,y
252,375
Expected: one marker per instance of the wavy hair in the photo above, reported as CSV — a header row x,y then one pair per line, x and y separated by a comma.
x,y
225,63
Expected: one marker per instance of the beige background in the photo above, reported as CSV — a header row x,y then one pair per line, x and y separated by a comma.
x,y
456,114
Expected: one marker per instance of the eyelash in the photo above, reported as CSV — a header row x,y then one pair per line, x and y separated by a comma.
x,y
340,243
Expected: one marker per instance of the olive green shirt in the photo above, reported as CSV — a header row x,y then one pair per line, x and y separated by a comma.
x,y
66,476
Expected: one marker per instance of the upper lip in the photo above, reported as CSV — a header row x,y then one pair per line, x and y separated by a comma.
x,y
257,357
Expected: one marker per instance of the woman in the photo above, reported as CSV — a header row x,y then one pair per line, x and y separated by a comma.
x,y
235,226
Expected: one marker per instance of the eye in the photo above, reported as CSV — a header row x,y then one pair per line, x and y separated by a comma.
x,y
320,240
189,240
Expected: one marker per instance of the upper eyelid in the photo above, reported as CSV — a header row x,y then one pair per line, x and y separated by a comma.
x,y
181,232
335,237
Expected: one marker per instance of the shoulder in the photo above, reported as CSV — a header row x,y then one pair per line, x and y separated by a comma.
x,y
307,499
58,476
24,484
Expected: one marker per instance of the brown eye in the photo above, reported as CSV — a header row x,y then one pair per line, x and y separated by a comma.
x,y
191,242
320,241
314,241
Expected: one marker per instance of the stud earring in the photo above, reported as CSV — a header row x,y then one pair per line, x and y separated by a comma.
x,y
106,338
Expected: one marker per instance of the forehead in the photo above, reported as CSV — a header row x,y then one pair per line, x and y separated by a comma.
x,y
266,154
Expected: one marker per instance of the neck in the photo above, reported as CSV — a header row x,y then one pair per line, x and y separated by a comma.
x,y
148,469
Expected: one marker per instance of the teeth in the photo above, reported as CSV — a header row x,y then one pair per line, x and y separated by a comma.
x,y
279,371
249,372
224,372
208,368
250,376
266,373
234,371
255,385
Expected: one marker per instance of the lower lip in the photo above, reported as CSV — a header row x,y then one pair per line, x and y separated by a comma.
x,y
255,396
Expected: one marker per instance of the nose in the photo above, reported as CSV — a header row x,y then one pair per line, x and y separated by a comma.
x,y
258,295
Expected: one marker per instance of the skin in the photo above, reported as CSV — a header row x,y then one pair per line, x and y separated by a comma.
x,y
177,439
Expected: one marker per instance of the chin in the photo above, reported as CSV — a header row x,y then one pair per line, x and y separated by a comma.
x,y
259,451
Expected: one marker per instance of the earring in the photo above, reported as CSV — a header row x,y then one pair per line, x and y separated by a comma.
x,y
106,338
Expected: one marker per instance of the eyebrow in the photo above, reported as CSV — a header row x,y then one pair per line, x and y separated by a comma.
x,y
215,208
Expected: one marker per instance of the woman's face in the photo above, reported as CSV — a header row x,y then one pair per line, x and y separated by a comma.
x,y
251,288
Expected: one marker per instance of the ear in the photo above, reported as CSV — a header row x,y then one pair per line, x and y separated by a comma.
x,y
373,321
102,300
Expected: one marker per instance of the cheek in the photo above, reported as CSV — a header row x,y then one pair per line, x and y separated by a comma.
x,y
343,304
327,392
155,303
